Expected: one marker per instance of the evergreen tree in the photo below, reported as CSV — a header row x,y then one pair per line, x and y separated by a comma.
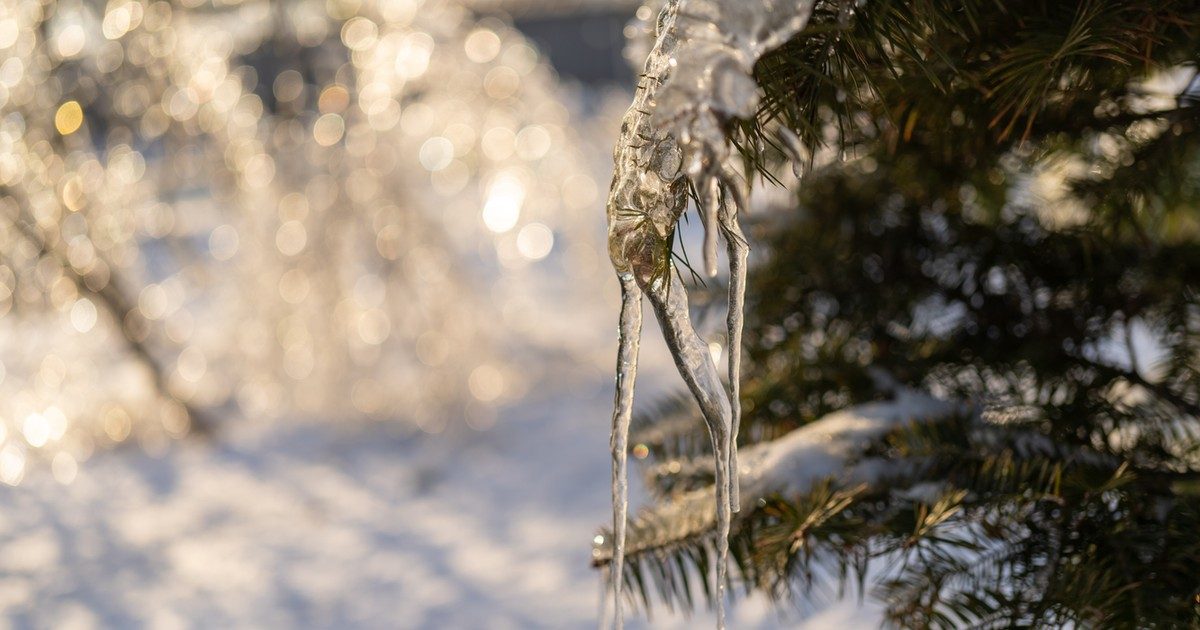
x,y
1012,230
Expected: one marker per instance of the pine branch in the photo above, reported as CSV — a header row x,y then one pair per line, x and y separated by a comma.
x,y
791,466
926,254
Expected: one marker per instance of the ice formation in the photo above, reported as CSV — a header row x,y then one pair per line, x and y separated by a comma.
x,y
697,76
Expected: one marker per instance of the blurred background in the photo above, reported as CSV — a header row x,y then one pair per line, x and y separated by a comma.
x,y
305,318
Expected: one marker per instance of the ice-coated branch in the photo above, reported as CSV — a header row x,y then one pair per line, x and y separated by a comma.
x,y
721,40
712,82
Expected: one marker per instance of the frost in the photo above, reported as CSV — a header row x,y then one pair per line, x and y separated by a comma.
x,y
697,75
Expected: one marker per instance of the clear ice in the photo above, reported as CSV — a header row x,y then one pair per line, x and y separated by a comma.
x,y
697,76
630,335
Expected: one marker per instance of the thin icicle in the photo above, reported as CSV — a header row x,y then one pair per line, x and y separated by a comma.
x,y
645,201
630,334
699,372
708,216
712,81
739,250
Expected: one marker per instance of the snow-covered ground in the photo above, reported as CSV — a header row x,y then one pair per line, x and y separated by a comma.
x,y
292,523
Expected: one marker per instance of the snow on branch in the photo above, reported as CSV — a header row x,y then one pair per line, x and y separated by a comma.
x,y
829,448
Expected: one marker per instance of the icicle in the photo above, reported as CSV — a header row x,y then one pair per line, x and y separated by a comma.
x,y
673,131
629,335
708,216
739,250
669,300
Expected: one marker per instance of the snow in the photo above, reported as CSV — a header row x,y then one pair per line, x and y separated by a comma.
x,y
311,525
829,446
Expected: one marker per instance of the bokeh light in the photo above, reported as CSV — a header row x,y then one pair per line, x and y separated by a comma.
x,y
319,208
68,118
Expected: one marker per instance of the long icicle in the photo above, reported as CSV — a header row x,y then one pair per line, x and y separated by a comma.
x,y
630,332
712,207
645,200
669,300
